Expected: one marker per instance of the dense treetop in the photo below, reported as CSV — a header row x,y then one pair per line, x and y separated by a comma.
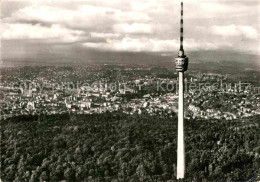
x,y
120,147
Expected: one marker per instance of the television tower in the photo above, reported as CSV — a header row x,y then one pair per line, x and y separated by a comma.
x,y
181,66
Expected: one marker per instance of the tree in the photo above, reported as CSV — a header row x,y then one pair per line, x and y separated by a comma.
x,y
44,176
68,174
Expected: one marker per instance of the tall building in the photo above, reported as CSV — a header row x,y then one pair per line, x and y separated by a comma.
x,y
181,66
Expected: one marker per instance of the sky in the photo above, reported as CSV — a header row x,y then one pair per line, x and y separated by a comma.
x,y
34,28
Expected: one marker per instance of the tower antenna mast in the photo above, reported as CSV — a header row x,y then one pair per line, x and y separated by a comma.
x,y
181,28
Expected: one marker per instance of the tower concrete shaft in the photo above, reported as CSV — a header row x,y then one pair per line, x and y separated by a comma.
x,y
181,146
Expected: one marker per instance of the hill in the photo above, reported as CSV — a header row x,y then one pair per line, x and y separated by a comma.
x,y
79,56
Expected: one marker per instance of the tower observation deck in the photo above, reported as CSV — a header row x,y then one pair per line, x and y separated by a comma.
x,y
181,61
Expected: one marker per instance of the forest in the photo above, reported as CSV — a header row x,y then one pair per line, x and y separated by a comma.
x,y
120,147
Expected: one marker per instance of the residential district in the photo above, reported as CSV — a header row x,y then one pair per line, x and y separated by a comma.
x,y
97,89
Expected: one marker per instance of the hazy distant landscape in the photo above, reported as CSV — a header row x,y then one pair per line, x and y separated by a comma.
x,y
83,56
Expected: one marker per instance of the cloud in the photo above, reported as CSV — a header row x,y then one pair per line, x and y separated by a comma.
x,y
222,9
235,30
45,14
134,44
104,35
133,28
28,31
84,16
155,45
136,25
